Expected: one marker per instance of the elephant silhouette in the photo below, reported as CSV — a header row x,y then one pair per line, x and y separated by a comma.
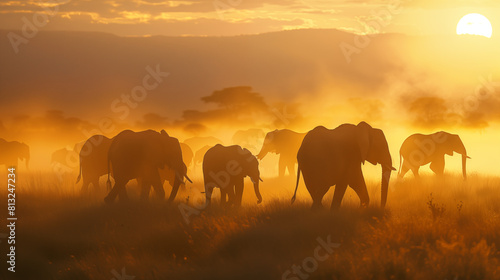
x,y
140,155
187,154
198,142
250,138
11,152
93,160
225,168
420,149
198,156
334,157
285,143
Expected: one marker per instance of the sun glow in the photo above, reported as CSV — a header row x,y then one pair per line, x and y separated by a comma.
x,y
474,24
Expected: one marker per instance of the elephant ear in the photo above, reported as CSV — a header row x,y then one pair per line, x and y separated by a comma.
x,y
451,144
364,140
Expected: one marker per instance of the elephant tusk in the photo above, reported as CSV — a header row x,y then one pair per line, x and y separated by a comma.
x,y
468,157
261,179
188,179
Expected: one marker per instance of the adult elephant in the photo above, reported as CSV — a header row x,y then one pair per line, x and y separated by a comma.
x,y
11,152
285,143
187,154
198,156
334,157
93,160
250,138
420,149
225,168
139,155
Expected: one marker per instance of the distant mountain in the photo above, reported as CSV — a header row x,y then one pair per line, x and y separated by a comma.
x,y
82,73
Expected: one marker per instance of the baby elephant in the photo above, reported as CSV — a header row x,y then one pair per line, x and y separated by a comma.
x,y
225,168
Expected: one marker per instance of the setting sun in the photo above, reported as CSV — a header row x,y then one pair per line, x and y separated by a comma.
x,y
474,24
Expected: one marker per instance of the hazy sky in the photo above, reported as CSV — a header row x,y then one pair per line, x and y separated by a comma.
x,y
234,17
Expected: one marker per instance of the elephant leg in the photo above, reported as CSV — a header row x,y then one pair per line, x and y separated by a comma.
x,y
404,169
359,186
158,186
95,183
317,193
145,188
438,166
209,188
415,169
281,166
223,196
231,198
85,186
173,193
338,195
291,167
118,189
238,191
122,193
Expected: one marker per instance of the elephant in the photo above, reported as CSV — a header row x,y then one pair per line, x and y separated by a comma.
x,y
286,143
187,154
198,142
198,156
94,164
13,151
93,160
420,149
225,168
250,138
140,155
330,157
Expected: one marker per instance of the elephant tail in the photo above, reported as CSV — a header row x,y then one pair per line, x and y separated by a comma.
x,y
108,183
296,185
80,174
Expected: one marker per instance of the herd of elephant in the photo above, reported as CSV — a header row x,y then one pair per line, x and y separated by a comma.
x,y
325,157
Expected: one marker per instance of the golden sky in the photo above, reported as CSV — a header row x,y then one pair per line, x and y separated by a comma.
x,y
234,17
68,81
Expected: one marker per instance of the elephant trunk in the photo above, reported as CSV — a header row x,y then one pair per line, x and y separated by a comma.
x,y
175,188
263,152
256,189
464,166
386,175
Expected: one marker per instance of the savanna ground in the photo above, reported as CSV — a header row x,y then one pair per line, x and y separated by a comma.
x,y
453,234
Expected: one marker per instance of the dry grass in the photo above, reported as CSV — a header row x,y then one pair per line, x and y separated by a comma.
x,y
62,235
